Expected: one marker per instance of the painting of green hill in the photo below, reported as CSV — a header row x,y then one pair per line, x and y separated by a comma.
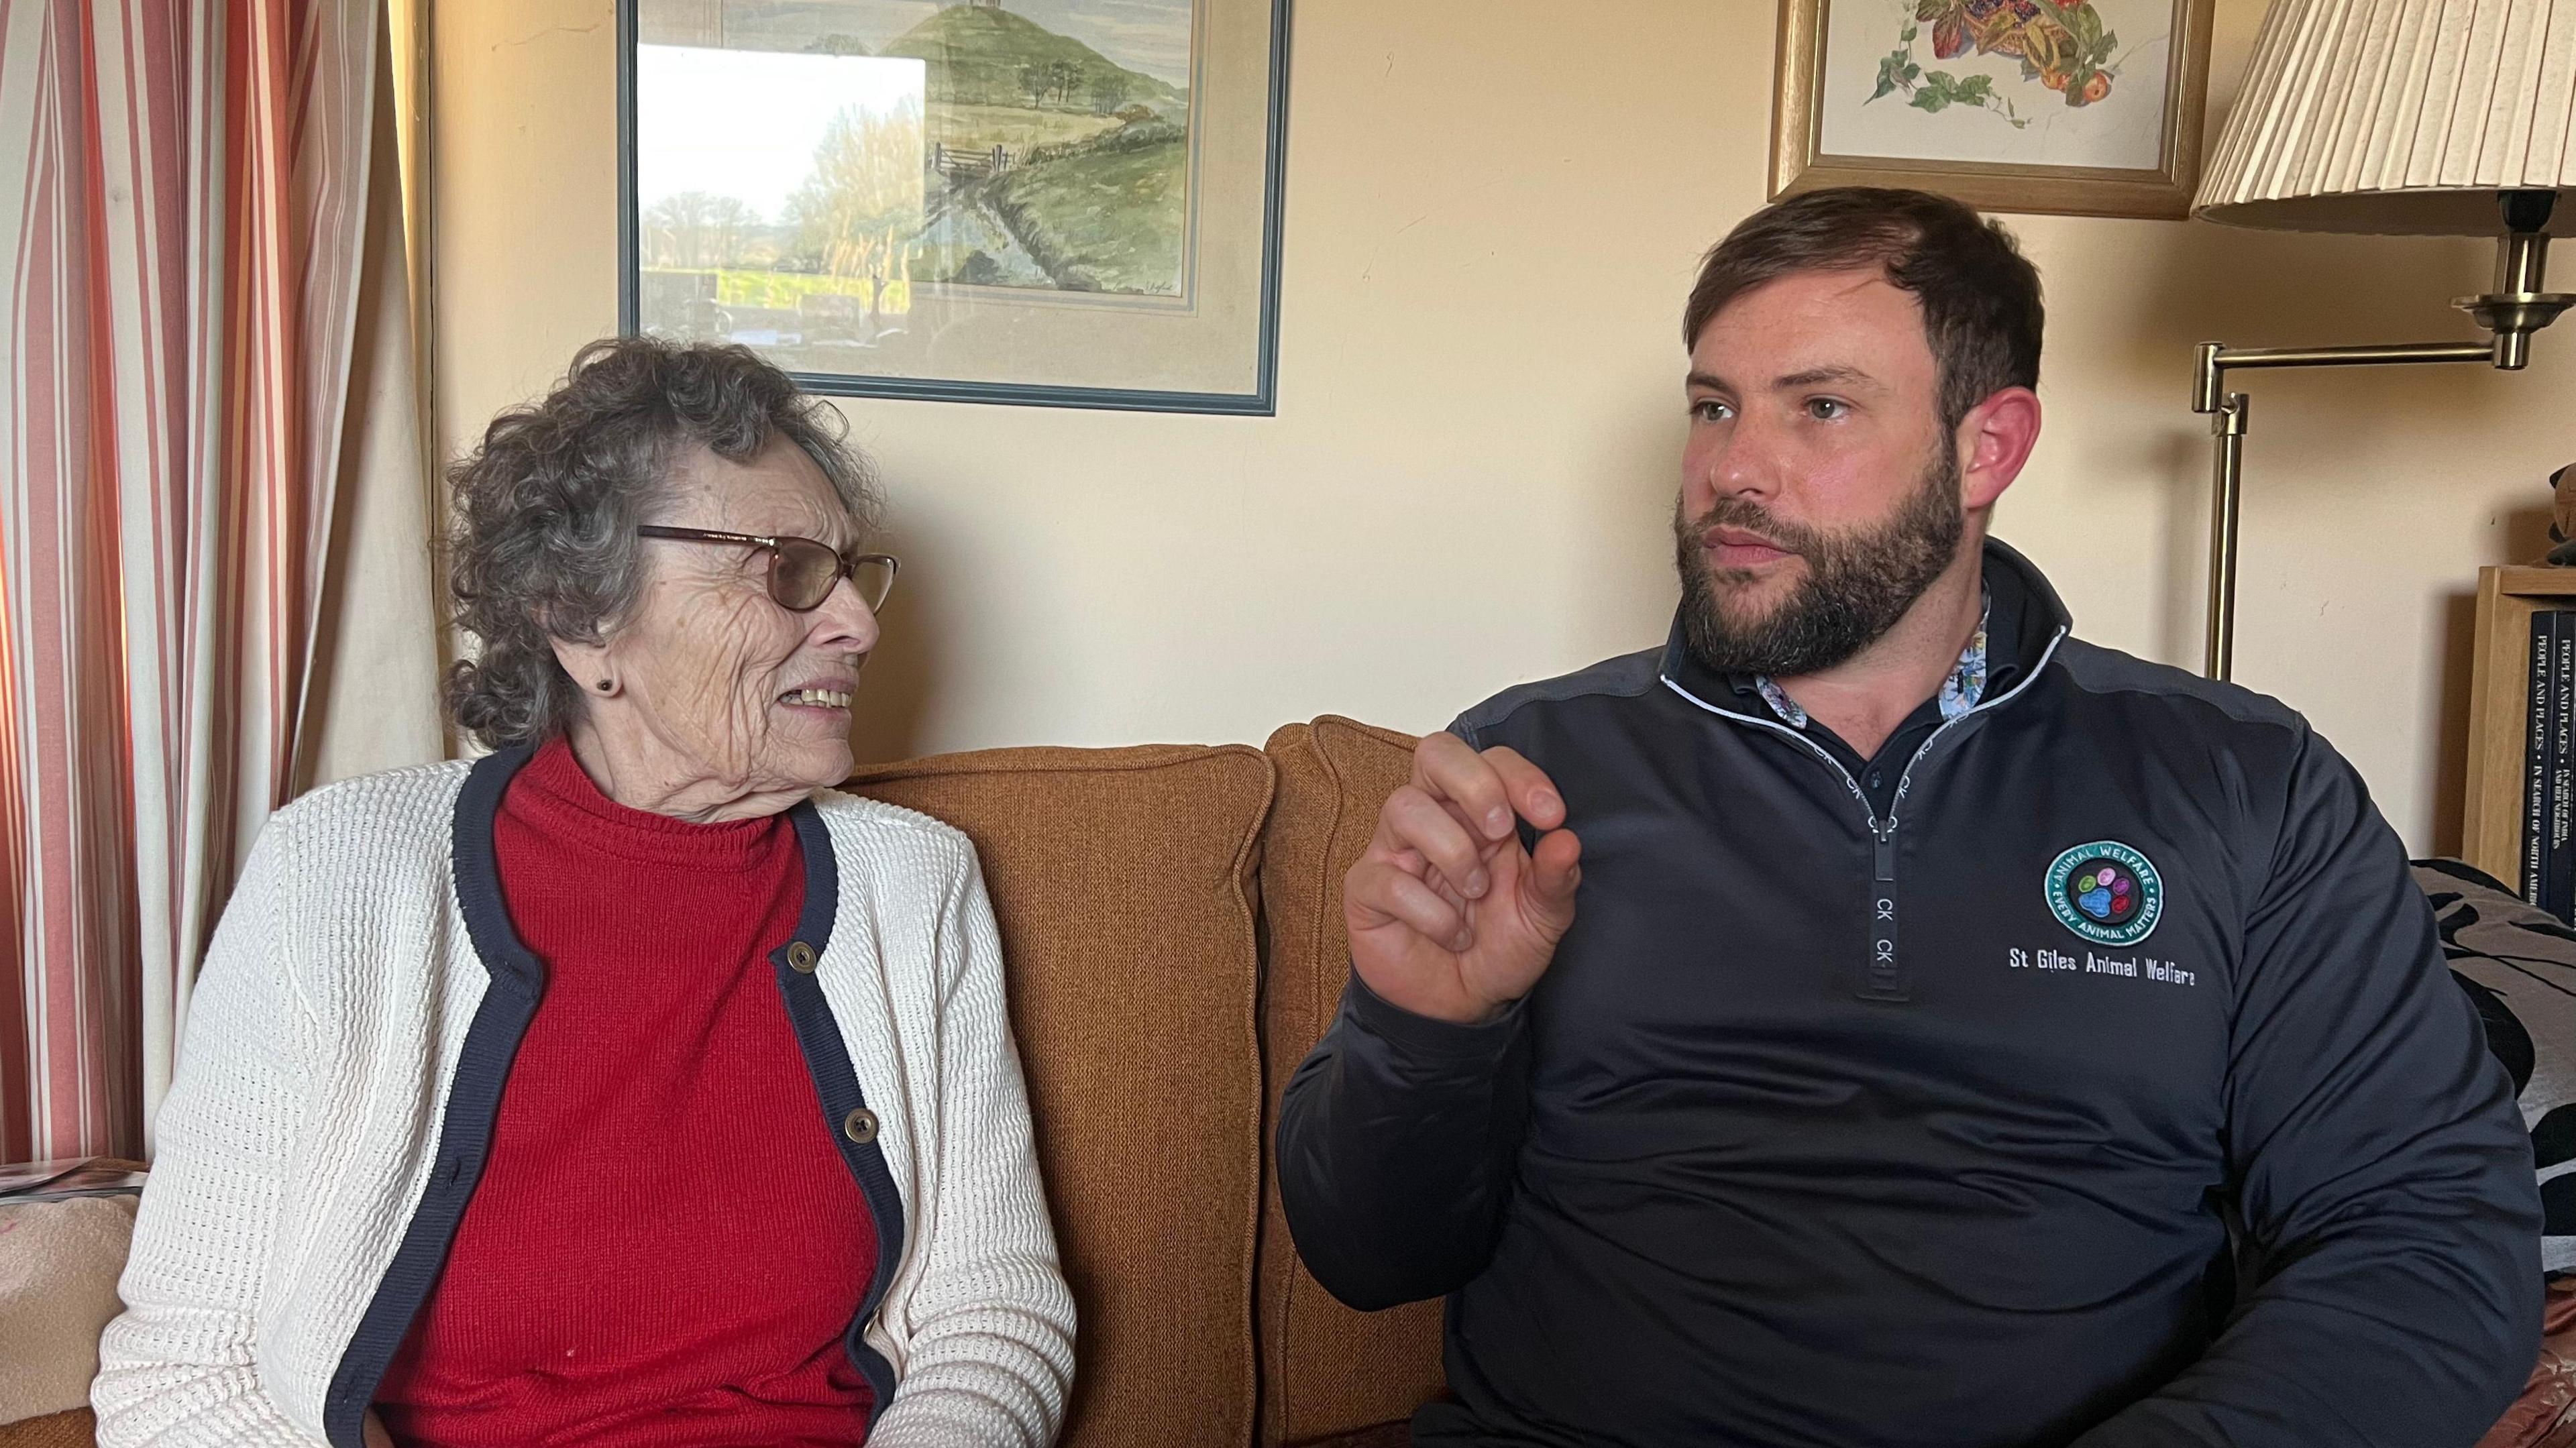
x,y
1016,129
985,55
1109,216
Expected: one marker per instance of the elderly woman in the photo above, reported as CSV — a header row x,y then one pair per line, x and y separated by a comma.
x,y
627,1086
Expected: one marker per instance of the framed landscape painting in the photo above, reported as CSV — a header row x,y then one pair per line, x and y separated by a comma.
x,y
1058,202
2082,106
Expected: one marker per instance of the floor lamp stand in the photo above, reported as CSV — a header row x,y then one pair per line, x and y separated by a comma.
x,y
2511,312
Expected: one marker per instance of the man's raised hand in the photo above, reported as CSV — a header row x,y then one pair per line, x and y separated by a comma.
x,y
1449,916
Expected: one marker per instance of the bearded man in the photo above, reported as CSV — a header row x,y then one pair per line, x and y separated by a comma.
x,y
1880,1018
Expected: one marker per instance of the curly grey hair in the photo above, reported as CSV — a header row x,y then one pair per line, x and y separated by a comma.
x,y
544,543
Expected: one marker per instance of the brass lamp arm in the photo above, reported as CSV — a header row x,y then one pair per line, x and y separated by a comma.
x,y
2227,428
2515,309
2217,359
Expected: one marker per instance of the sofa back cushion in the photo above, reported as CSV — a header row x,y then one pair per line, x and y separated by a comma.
x,y
1326,1370
1123,883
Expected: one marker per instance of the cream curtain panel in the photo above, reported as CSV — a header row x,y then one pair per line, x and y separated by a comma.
x,y
213,502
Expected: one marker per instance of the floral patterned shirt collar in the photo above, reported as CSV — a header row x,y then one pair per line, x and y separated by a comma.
x,y
1959,693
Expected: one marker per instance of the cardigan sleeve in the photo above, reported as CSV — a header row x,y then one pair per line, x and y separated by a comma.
x,y
991,1321
180,1367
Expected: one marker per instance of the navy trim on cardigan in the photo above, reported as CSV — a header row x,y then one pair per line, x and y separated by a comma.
x,y
836,1082
483,1066
518,981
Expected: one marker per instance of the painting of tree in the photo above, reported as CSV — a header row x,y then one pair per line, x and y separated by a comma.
x,y
694,229
1076,195
864,194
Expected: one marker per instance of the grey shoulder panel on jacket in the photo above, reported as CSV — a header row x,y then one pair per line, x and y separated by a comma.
x,y
1626,676
2100,670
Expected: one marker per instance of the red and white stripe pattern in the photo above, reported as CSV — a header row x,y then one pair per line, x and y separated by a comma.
x,y
183,232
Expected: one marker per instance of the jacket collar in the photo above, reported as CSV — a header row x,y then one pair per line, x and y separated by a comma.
x,y
2043,620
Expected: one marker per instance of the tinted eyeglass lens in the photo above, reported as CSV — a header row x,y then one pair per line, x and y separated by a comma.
x,y
874,578
803,573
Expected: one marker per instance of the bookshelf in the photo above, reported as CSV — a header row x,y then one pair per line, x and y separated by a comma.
x,y
2499,711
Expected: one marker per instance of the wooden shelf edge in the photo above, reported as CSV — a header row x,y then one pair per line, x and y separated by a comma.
x,y
2531,581
2491,815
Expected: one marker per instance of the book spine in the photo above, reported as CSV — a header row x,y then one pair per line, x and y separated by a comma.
x,y
2535,754
2560,848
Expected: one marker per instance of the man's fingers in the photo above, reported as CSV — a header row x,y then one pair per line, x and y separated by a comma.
x,y
1441,887
1556,867
1474,827
1412,863
1533,795
1487,789
1402,898
1446,768
1413,820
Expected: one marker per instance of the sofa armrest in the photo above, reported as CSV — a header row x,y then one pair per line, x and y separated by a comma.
x,y
75,1429
59,1264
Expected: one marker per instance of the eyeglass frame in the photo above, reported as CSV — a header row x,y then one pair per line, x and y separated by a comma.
x,y
772,546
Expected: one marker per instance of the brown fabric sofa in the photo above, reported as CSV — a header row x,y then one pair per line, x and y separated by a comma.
x,y
1172,921
1170,916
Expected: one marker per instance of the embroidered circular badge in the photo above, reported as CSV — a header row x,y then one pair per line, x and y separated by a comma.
x,y
2106,892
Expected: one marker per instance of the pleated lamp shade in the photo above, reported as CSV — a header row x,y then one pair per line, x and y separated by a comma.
x,y
2401,117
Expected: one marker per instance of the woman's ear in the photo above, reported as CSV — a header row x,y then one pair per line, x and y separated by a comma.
x,y
589,665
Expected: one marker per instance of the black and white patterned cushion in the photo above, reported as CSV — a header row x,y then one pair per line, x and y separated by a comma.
x,y
2518,964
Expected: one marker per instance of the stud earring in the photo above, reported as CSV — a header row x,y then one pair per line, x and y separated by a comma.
x,y
603,686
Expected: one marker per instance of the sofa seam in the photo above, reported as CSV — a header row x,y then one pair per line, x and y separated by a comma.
x,y
1095,767
1244,883
1270,1346
1313,1026
1336,788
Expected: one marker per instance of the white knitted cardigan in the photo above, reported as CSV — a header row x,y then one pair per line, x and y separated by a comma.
x,y
303,1130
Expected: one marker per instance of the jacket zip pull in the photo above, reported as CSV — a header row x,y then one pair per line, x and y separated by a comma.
x,y
1881,980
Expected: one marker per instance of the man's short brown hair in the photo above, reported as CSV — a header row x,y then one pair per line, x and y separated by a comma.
x,y
1980,296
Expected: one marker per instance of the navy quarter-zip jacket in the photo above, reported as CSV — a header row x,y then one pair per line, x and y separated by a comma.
x,y
2105,1087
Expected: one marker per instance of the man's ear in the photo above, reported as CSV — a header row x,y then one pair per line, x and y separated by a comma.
x,y
1994,441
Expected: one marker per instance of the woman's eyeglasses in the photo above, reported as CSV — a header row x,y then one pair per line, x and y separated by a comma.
x,y
801,570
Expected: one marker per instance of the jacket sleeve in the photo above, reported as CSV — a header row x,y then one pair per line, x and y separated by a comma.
x,y
180,1367
1398,1139
2390,1282
991,1321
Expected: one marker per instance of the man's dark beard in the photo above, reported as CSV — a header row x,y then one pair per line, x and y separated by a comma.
x,y
1859,581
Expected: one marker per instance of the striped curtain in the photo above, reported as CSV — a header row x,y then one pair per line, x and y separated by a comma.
x,y
186,334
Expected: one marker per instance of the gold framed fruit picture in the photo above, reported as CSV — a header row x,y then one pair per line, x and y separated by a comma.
x,y
2090,107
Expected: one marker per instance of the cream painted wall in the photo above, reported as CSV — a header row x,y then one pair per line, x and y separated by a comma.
x,y
1493,214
